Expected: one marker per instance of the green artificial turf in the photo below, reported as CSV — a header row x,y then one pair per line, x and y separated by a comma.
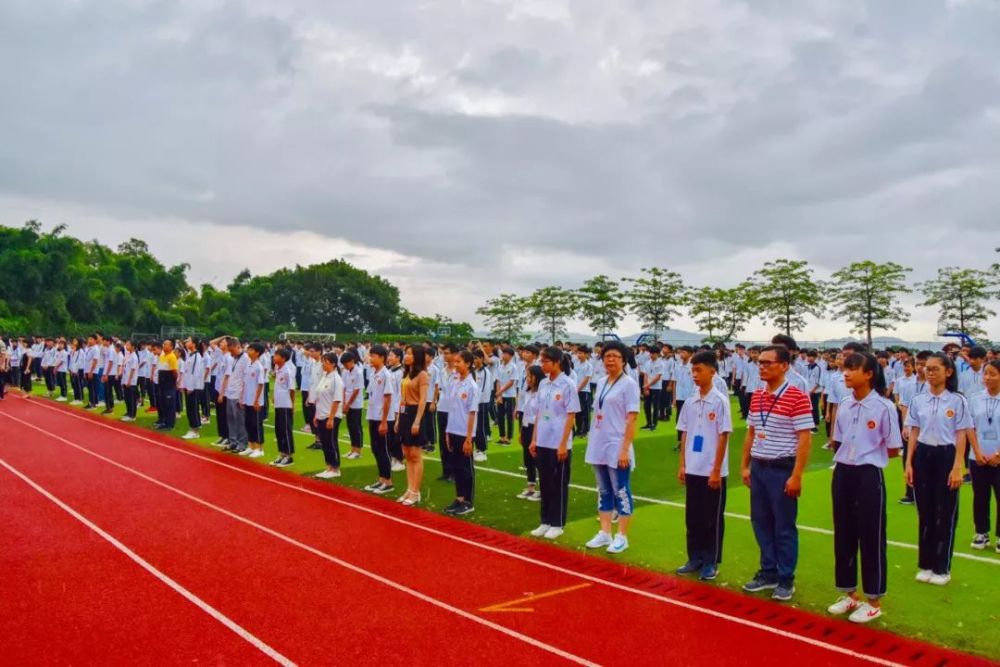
x,y
962,615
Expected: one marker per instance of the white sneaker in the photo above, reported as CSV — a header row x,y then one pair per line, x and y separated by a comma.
x,y
246,452
334,473
602,539
257,453
865,613
535,496
924,576
353,455
126,418
306,429
619,544
843,605
524,494
205,420
61,399
939,579
76,402
326,474
541,530
980,541
190,435
397,466
553,532
479,456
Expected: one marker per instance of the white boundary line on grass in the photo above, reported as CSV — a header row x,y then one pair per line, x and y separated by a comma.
x,y
486,547
242,632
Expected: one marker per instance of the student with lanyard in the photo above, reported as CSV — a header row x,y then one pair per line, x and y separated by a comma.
x,y
166,381
327,395
705,424
284,407
984,463
410,423
866,435
353,380
130,376
552,445
938,422
609,447
463,407
193,386
484,382
380,418
775,452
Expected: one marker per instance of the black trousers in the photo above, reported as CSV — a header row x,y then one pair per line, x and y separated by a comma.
x,y
328,438
61,382
166,395
143,387
109,392
192,399
937,506
308,411
116,384
395,443
442,423
745,403
553,481
505,418
583,416
131,399
985,486
205,399
380,448
859,527
704,513
906,447
666,400
814,400
221,421
481,421
49,374
283,431
527,432
92,392
354,429
77,380
462,468
427,426
650,403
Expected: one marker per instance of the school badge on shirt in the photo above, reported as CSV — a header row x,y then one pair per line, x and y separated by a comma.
x,y
871,425
949,413
711,416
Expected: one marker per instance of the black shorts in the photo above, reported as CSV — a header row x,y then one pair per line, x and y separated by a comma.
x,y
406,420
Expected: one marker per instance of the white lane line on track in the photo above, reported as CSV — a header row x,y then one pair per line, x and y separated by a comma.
x,y
486,547
239,630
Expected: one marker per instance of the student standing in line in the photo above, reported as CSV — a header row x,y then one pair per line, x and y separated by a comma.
x,y
76,370
705,424
108,377
353,380
906,390
970,380
166,381
207,382
440,407
47,365
463,408
794,376
223,366
775,452
507,376
130,375
304,363
813,388
683,386
327,395
253,402
394,364
315,353
411,423
284,407
59,368
484,382
984,463
193,386
232,389
4,368
380,388
427,421
866,435
584,379
938,422
528,409
609,447
652,388
551,443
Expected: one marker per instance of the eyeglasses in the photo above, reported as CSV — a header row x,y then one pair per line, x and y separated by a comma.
x,y
613,356
933,369
766,364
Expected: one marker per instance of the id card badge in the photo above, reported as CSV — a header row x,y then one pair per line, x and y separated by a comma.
x,y
698,443
761,435
547,415
598,419
990,435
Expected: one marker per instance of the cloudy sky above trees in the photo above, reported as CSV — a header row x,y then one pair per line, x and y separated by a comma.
x,y
465,148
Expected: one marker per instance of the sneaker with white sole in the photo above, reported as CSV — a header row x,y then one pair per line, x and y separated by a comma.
x,y
524,494
61,399
980,541
479,456
602,539
257,453
126,418
190,435
397,466
865,613
535,496
843,605
541,530
618,545
325,474
245,452
553,533
353,455
383,489
284,462
923,576
939,579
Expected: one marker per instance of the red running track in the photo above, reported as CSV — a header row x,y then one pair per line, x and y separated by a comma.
x,y
303,572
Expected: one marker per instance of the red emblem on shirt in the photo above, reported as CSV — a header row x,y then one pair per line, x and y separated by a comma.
x,y
871,425
949,413
464,395
711,416
558,397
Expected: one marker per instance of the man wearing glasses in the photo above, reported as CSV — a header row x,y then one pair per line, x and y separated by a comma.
x,y
775,452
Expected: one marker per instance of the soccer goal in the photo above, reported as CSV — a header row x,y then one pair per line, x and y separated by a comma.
x,y
180,333
307,337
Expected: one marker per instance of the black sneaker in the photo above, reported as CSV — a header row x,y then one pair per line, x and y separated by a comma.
x,y
906,500
759,583
689,567
315,445
220,441
464,508
284,462
454,507
444,478
277,460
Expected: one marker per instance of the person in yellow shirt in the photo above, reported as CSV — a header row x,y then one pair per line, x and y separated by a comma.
x,y
166,369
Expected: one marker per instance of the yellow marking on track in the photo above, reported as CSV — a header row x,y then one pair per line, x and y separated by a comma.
x,y
509,605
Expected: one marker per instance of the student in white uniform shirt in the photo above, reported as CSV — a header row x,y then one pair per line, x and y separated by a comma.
x,y
60,367
193,385
506,395
76,357
48,363
232,390
528,411
584,378
353,380
705,424
653,387
984,459
970,381
683,385
463,408
938,422
380,418
304,367
327,395
130,382
484,382
609,447
284,406
866,435
552,444
253,402
813,388
394,363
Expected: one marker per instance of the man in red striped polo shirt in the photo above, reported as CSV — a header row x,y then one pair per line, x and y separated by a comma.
x,y
775,452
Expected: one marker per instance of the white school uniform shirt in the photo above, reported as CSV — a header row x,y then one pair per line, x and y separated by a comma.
x,y
306,364
60,361
445,379
75,360
684,387
224,368
237,377
866,430
194,372
528,406
739,366
656,368
985,409
118,363
556,399
463,399
508,372
812,377
704,419
751,376
799,365
939,417
284,385
329,389
380,385
93,359
598,369
585,369
131,366
970,382
254,378
484,380
613,402
49,357
905,389
836,390
315,372
396,375
720,384
795,379
353,379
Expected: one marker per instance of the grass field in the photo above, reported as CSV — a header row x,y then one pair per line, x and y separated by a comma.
x,y
962,615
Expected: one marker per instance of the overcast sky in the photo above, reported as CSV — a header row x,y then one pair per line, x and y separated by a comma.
x,y
466,148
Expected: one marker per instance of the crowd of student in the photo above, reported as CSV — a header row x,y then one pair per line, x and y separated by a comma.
x,y
938,409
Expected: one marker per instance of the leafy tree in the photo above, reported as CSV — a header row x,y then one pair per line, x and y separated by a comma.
x,y
961,296
722,313
785,292
601,304
866,294
506,316
551,307
654,297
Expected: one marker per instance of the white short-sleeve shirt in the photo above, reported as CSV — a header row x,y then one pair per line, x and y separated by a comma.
x,y
614,400
703,419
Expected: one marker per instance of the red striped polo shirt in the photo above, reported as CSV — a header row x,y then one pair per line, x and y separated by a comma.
x,y
786,412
